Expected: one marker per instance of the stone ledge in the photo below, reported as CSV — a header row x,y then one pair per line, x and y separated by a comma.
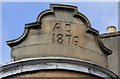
x,y
52,63
107,35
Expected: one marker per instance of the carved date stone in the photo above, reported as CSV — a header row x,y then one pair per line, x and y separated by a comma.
x,y
60,31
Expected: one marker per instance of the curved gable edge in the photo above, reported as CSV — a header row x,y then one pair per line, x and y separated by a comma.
x,y
37,24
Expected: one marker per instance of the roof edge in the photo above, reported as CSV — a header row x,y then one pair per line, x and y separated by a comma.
x,y
112,34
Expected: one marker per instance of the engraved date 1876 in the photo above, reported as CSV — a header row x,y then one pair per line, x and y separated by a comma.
x,y
63,38
60,38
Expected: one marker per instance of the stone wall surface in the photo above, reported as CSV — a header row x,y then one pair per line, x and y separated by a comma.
x,y
112,41
60,32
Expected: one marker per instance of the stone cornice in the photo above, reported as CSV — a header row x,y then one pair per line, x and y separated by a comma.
x,y
107,35
52,63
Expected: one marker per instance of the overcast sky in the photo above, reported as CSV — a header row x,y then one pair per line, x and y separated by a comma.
x,y
16,14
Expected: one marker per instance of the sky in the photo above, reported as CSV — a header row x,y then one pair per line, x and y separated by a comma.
x,y
16,14
119,15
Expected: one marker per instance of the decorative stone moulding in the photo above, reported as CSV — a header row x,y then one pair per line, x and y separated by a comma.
x,y
60,31
18,68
